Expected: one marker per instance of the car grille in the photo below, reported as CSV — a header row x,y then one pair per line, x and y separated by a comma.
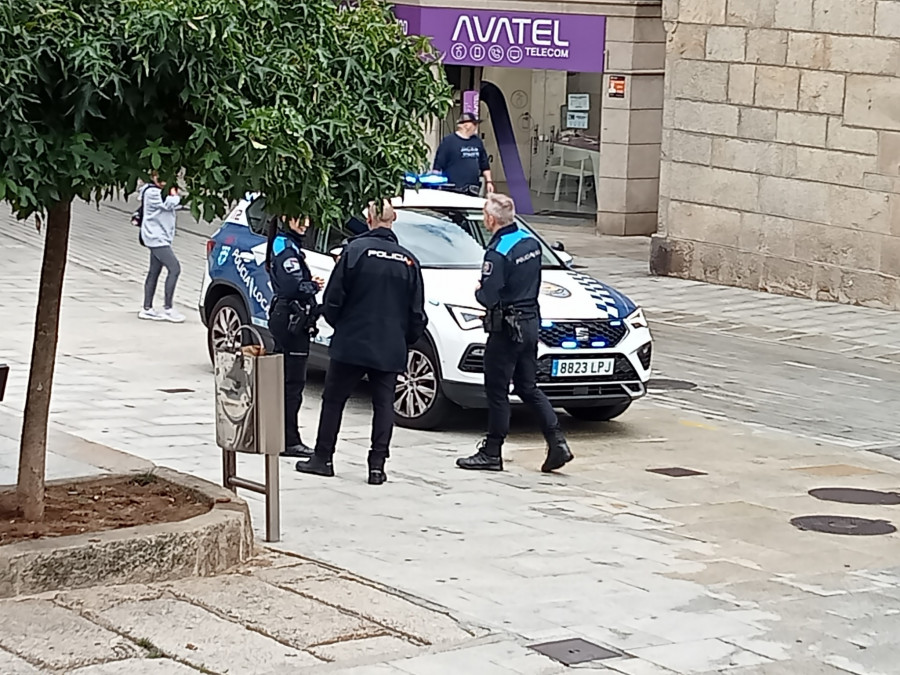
x,y
473,362
622,371
598,333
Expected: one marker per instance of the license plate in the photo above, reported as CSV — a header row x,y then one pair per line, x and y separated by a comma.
x,y
582,367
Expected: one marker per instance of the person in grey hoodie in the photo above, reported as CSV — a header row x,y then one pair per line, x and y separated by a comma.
x,y
157,234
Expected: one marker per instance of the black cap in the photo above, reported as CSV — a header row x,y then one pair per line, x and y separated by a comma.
x,y
468,117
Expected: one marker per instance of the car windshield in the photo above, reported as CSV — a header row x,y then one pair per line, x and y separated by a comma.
x,y
452,237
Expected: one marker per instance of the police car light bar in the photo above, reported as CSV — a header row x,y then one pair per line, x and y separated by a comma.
x,y
428,179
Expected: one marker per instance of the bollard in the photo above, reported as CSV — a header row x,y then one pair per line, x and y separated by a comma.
x,y
4,376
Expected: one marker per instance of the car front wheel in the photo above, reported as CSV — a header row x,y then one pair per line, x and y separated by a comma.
x,y
600,413
227,316
419,400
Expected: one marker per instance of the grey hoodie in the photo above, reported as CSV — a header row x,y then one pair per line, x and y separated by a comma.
x,y
158,223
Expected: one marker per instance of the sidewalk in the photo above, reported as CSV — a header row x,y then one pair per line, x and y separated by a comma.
x,y
699,574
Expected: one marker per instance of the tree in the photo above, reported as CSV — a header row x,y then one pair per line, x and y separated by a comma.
x,y
318,106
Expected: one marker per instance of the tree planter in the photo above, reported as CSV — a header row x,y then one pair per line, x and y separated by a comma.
x,y
203,545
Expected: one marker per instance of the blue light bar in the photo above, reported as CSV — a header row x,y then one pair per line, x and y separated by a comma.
x,y
429,178
598,343
569,344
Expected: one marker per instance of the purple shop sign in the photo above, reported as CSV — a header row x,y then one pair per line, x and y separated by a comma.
x,y
471,102
573,42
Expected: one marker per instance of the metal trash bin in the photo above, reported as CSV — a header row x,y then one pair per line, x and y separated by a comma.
x,y
250,400
249,392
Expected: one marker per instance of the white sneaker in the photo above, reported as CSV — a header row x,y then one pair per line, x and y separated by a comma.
x,y
173,315
150,315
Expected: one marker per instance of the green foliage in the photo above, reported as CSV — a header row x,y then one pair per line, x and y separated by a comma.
x,y
320,108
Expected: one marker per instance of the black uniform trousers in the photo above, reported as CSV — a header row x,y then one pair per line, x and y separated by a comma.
x,y
340,382
506,360
296,352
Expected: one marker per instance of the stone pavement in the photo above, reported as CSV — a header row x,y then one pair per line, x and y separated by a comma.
x,y
279,614
698,574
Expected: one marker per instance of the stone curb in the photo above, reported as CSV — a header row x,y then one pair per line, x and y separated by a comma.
x,y
205,545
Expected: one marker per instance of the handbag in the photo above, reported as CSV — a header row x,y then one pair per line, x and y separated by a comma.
x,y
249,392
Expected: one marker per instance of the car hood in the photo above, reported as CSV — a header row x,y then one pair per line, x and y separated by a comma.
x,y
565,294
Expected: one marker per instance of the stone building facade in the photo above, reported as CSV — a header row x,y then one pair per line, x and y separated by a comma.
x,y
781,147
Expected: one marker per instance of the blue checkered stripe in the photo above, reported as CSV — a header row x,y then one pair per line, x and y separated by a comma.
x,y
602,298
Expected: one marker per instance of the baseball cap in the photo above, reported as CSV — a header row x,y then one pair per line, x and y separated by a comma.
x,y
468,117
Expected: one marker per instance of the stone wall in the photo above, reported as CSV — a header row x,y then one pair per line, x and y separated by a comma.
x,y
781,147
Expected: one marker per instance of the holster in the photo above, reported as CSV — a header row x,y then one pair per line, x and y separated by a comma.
x,y
503,320
493,320
302,319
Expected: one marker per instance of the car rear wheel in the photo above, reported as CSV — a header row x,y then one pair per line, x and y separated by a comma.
x,y
227,316
419,400
600,413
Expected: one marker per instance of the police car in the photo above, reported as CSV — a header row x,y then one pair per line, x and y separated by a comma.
x,y
595,346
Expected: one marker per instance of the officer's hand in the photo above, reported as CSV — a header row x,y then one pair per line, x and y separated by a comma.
x,y
478,286
320,282
490,187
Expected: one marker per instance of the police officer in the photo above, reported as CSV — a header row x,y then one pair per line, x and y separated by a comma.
x,y
292,317
375,302
509,287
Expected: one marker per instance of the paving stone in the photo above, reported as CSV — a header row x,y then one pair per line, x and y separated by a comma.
x,y
41,632
10,664
392,611
202,639
136,667
286,616
368,647
699,656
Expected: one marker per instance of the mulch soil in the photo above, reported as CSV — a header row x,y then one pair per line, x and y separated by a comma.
x,y
102,504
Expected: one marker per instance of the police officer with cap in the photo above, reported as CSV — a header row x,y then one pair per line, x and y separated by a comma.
x,y
375,302
509,287
462,157
292,317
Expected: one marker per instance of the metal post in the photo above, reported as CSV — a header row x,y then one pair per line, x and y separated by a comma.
x,y
273,499
229,469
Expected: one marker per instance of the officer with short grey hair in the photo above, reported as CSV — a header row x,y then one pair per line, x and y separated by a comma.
x,y
508,290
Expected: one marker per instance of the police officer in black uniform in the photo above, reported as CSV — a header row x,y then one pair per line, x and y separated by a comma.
x,y
509,287
375,302
292,318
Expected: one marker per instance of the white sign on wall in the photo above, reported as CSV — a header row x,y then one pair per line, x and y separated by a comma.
x,y
579,102
576,120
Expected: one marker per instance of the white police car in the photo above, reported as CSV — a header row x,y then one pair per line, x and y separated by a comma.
x,y
595,345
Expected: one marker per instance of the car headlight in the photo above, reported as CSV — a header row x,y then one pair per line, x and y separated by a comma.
x,y
636,319
467,318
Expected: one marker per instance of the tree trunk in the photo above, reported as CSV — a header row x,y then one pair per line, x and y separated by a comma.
x,y
33,447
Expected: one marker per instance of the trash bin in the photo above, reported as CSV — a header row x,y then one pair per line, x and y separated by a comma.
x,y
249,399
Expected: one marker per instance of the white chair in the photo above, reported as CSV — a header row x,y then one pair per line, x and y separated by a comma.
x,y
571,162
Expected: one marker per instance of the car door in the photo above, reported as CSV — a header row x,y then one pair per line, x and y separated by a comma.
x,y
250,263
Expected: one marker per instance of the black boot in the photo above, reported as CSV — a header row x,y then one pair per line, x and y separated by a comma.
x,y
487,458
558,453
299,450
316,465
377,476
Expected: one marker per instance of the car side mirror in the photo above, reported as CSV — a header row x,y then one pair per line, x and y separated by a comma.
x,y
566,258
558,246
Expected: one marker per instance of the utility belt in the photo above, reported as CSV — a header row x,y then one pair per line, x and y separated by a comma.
x,y
504,320
302,317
